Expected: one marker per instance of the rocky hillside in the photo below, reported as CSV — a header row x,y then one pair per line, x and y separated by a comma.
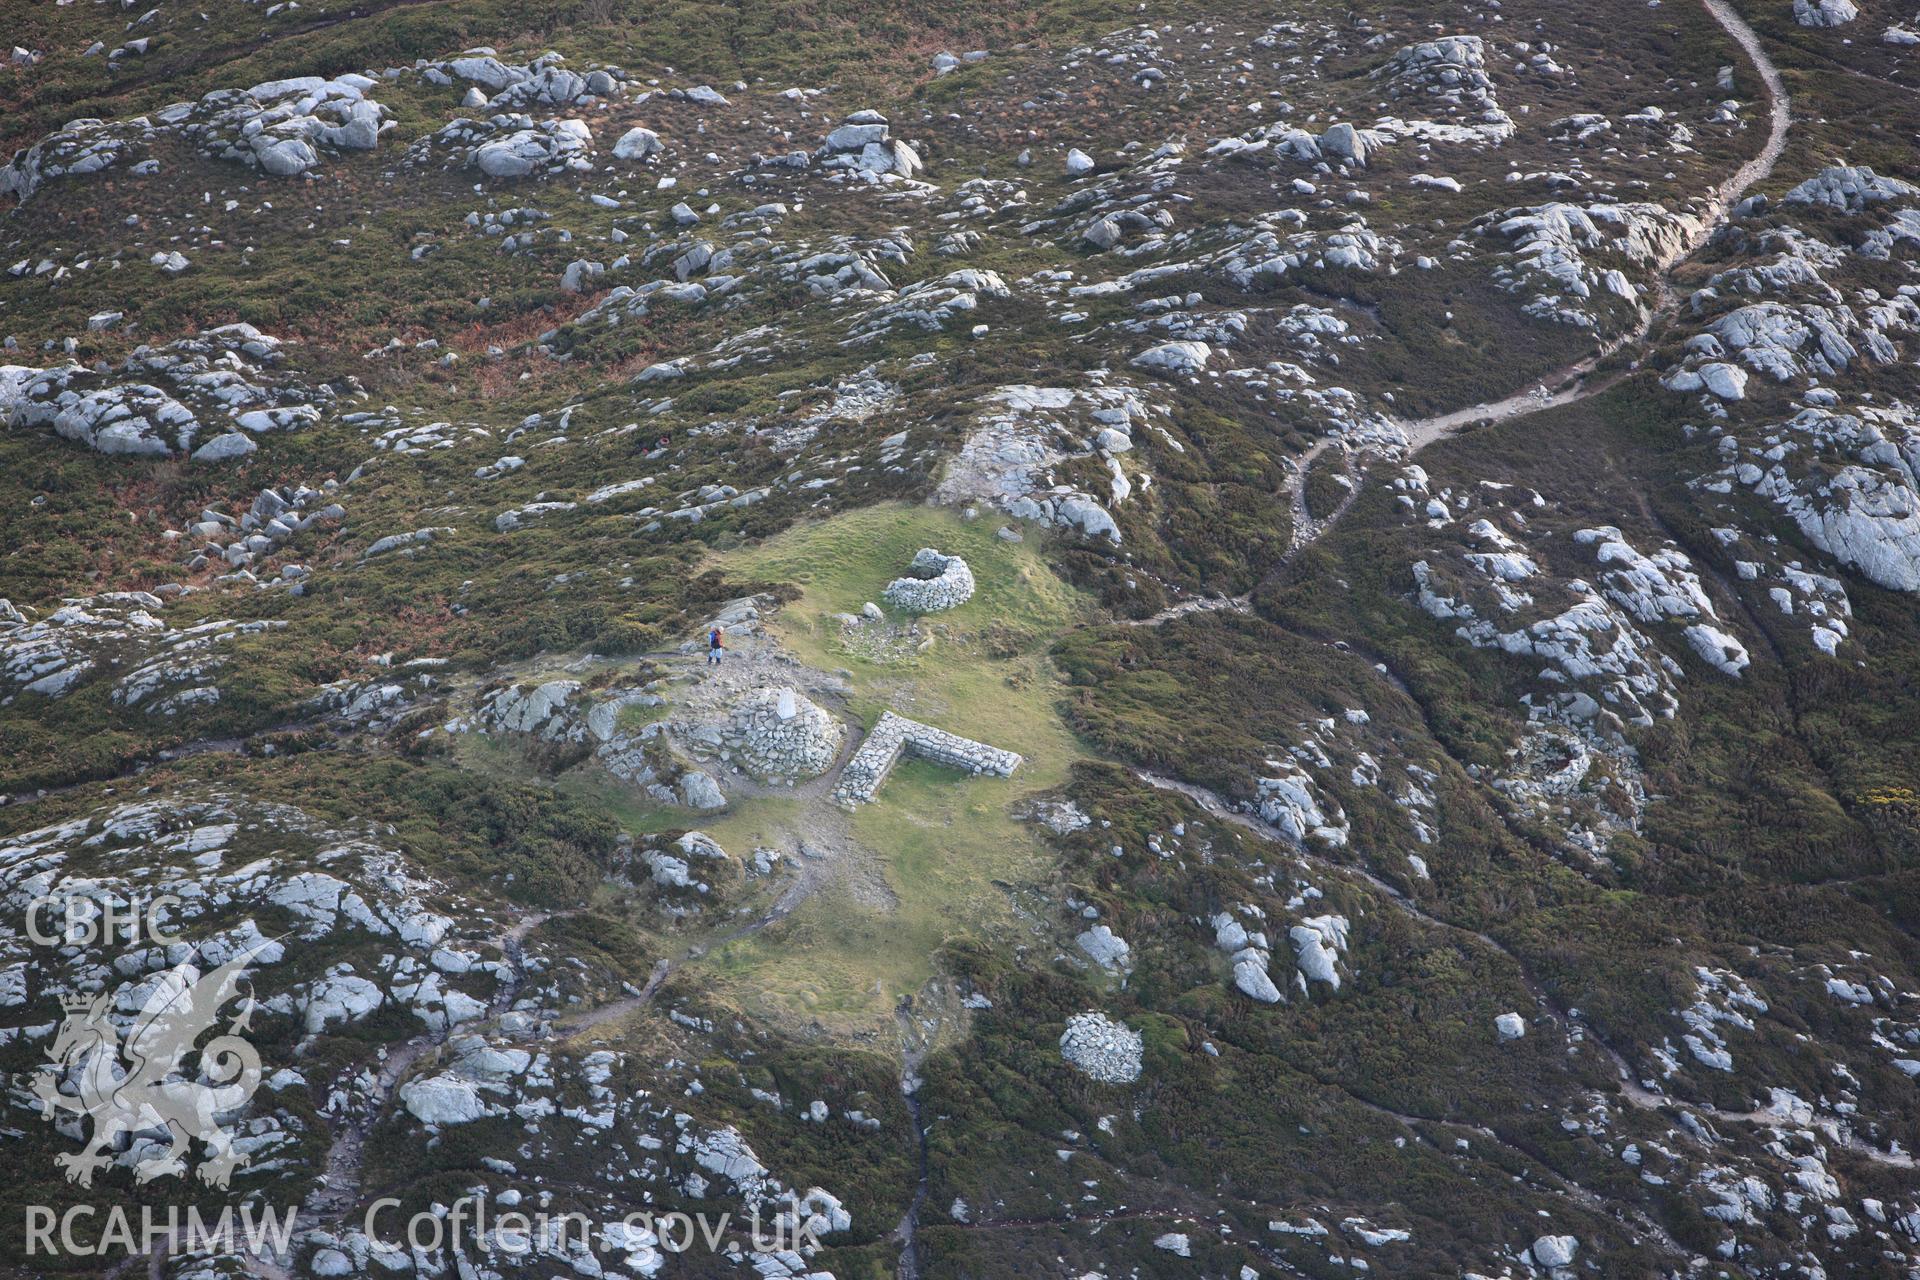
x,y
1078,639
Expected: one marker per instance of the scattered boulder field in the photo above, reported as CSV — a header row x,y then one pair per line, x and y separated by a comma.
x,y
1081,641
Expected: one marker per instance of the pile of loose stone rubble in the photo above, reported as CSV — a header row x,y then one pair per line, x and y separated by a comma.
x,y
1103,1049
273,519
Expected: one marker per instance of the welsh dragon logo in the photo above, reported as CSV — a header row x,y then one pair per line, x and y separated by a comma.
x,y
139,1083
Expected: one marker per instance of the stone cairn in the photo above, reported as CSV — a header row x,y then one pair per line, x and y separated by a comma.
x,y
866,142
780,733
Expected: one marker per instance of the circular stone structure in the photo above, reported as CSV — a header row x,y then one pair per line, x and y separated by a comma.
x,y
776,732
937,582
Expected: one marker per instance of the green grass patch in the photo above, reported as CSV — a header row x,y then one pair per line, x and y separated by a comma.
x,y
848,560
634,717
936,860
986,673
938,856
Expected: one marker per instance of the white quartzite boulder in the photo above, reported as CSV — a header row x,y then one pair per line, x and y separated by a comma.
x,y
442,1099
1175,357
1108,949
636,144
1555,1251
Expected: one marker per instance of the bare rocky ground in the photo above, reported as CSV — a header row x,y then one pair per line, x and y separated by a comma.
x,y
1438,505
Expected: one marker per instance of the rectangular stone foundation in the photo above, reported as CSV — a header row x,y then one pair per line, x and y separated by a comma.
x,y
894,736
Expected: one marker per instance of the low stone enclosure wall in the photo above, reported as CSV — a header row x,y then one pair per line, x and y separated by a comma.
x,y
938,582
894,736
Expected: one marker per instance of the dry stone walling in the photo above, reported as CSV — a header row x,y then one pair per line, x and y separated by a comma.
x,y
936,582
895,736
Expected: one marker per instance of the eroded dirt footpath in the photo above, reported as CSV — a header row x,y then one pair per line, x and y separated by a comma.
x,y
1572,383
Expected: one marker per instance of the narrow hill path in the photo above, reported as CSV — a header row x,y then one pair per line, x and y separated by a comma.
x,y
339,1187
1572,383
1569,384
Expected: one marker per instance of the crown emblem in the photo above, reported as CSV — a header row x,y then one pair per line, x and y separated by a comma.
x,y
78,1001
